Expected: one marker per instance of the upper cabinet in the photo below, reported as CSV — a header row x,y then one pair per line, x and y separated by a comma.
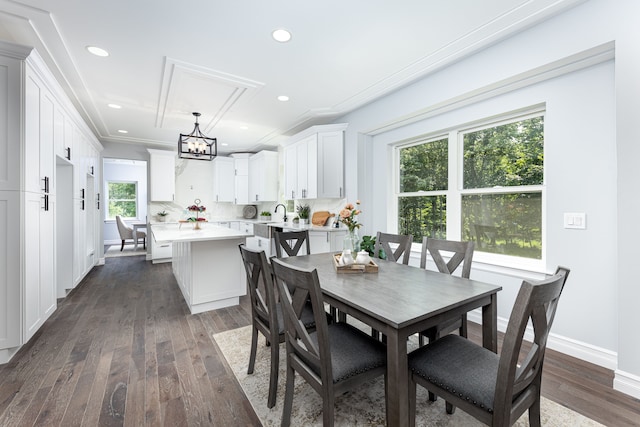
x,y
263,177
241,162
224,171
163,176
314,163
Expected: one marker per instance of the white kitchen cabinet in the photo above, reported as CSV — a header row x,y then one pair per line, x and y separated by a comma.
x,y
314,163
35,121
224,171
241,161
326,241
160,252
162,175
301,169
263,177
258,243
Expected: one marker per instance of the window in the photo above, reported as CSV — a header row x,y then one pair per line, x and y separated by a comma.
x,y
490,192
122,199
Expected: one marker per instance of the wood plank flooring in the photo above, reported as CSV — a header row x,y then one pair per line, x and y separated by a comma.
x,y
122,349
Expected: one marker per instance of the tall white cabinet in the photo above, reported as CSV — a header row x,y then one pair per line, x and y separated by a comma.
x,y
39,130
314,163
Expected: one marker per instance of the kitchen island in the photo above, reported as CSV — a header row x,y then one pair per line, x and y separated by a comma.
x,y
206,263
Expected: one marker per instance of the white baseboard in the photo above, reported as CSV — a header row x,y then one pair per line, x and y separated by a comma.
x,y
587,352
627,383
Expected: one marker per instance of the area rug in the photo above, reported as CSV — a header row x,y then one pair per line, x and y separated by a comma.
x,y
114,251
362,407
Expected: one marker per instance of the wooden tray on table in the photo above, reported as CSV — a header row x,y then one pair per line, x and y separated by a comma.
x,y
372,267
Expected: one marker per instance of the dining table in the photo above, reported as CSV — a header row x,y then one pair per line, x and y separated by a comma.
x,y
136,226
399,301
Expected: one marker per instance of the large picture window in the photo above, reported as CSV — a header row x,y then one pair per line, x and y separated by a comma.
x,y
122,199
491,192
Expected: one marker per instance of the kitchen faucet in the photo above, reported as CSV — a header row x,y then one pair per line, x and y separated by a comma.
x,y
285,211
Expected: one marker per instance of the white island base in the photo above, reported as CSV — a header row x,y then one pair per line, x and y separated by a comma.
x,y
207,265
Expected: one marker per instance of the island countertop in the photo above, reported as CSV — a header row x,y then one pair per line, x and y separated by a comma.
x,y
186,233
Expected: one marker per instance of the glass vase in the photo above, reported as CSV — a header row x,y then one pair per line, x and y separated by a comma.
x,y
352,242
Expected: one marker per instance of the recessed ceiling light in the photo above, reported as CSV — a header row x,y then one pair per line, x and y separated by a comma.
x,y
283,98
123,131
281,35
114,106
224,144
244,127
97,51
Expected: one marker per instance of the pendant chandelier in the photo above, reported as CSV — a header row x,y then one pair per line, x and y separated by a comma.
x,y
195,145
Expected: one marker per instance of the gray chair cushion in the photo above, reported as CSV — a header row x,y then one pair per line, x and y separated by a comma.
x,y
460,367
352,351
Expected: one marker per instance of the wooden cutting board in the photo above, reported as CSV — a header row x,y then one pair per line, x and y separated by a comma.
x,y
320,217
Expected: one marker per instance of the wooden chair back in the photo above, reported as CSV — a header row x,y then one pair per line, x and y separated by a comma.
x,y
403,250
297,287
291,242
462,253
518,383
261,291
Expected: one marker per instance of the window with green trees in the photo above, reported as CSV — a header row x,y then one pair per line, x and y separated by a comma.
x,y
494,195
122,199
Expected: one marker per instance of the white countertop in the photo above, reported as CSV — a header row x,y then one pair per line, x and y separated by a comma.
x,y
310,227
168,232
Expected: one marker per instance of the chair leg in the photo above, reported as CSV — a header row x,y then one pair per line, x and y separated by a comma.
x,y
288,396
252,354
122,247
273,377
450,408
463,328
328,407
534,413
432,397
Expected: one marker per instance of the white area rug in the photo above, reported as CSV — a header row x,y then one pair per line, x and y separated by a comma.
x,y
363,407
114,251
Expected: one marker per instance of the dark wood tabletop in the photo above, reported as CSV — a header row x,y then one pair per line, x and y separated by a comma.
x,y
399,301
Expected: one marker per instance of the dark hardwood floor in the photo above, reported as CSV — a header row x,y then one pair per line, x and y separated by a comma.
x,y
122,349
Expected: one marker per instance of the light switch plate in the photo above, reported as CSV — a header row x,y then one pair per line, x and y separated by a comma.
x,y
575,220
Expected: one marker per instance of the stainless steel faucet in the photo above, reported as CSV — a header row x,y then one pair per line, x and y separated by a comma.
x,y
285,211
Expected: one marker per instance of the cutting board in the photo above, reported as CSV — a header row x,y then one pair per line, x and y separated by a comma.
x,y
320,217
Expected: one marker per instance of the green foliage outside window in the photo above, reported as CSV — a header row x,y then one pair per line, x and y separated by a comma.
x,y
493,160
122,199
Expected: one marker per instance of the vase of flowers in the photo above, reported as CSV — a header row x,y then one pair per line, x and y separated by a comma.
x,y
348,216
197,208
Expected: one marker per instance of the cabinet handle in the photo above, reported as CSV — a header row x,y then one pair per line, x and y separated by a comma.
x,y
293,195
82,193
340,191
46,202
91,170
82,204
68,153
259,243
256,197
46,184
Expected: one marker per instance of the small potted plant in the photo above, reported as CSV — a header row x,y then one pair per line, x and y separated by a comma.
x,y
303,213
265,216
162,216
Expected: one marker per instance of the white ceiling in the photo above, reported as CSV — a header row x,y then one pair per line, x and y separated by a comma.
x,y
169,58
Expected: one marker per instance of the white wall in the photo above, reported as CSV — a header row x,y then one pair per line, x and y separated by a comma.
x,y
587,168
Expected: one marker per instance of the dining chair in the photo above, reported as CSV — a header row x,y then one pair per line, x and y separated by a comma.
x,y
461,253
495,389
266,313
335,358
291,242
403,249
127,233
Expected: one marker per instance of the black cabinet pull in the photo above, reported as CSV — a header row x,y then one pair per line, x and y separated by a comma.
x,y
82,193
68,153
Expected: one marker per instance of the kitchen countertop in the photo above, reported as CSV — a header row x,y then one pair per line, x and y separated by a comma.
x,y
310,227
173,232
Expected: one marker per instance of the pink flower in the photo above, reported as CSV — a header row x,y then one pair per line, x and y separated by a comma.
x,y
349,206
345,213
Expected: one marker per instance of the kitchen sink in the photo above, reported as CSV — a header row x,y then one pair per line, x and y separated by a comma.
x,y
265,230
